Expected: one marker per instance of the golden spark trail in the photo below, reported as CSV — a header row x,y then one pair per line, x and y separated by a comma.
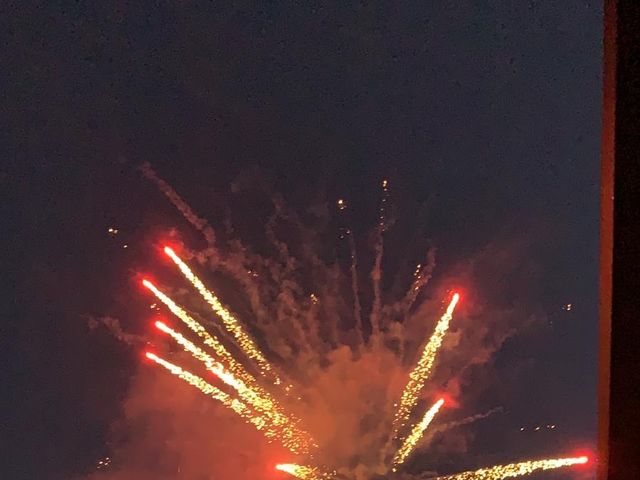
x,y
291,437
422,370
232,403
303,472
298,471
516,469
416,434
211,341
232,325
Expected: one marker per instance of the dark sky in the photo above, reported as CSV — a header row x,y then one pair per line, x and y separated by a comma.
x,y
486,119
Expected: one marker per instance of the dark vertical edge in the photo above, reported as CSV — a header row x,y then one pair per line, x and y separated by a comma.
x,y
606,231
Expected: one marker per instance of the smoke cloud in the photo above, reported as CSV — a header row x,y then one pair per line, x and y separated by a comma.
x,y
302,309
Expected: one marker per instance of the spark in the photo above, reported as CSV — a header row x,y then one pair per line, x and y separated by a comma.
x,y
231,403
104,463
422,370
291,437
303,472
231,324
208,339
299,471
516,469
341,204
414,437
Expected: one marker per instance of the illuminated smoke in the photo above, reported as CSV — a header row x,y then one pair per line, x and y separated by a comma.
x,y
183,207
233,404
291,437
376,272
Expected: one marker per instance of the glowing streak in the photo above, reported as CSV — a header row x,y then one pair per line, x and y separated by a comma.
x,y
304,472
416,434
422,370
291,437
234,404
516,469
232,325
298,471
208,339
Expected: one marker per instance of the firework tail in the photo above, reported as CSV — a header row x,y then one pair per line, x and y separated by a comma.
x,y
423,368
409,443
516,469
183,207
209,340
229,321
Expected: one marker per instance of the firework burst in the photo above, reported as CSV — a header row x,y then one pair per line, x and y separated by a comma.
x,y
259,390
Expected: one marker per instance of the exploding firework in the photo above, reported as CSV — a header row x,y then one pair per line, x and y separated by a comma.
x,y
260,391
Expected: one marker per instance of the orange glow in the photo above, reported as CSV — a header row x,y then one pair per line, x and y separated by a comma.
x,y
454,301
583,459
296,440
304,472
173,248
227,400
448,400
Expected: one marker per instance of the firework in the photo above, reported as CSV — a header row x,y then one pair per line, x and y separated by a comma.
x,y
422,370
209,340
516,469
231,324
253,397
291,437
416,434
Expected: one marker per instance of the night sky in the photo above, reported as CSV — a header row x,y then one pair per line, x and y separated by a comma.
x,y
484,118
